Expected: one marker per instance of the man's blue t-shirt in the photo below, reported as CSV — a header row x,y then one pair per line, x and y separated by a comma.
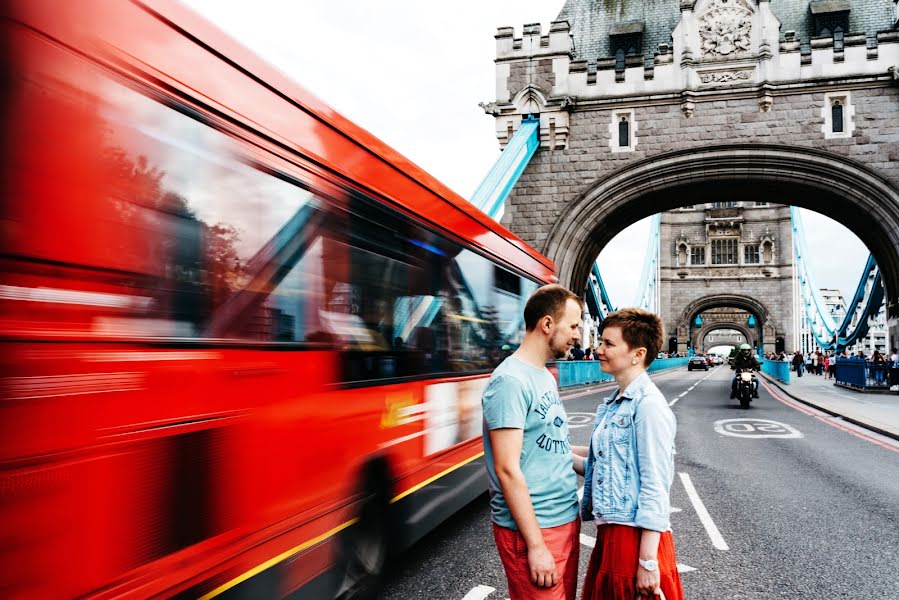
x,y
520,396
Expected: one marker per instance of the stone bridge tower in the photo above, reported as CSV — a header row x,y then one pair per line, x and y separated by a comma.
x,y
727,255
649,106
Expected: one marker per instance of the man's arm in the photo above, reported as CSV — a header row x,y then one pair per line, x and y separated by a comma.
x,y
506,457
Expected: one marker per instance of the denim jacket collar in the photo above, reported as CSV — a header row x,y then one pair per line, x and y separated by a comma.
x,y
636,389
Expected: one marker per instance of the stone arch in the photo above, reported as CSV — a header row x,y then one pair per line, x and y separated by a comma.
x,y
707,329
843,189
738,301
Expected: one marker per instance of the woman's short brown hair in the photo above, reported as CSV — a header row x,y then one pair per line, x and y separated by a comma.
x,y
548,300
639,328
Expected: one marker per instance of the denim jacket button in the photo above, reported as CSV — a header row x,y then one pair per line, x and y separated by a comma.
x,y
600,453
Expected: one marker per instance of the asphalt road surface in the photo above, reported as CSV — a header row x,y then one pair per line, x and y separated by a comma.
x,y
784,502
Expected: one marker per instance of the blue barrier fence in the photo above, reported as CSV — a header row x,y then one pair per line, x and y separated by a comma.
x,y
584,372
778,369
863,374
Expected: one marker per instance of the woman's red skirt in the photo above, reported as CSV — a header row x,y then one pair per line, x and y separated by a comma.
x,y
612,573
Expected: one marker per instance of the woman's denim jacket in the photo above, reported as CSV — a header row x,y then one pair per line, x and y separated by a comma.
x,y
635,463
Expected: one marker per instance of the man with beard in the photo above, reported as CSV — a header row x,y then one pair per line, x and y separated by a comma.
x,y
533,488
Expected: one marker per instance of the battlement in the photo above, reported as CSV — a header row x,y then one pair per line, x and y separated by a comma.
x,y
533,43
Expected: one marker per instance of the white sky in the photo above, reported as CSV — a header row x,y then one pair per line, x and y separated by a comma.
x,y
412,73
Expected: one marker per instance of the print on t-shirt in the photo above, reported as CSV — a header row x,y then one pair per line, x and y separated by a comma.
x,y
556,438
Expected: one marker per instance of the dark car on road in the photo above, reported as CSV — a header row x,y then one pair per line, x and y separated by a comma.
x,y
698,362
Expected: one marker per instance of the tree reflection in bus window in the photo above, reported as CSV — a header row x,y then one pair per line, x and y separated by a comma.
x,y
206,219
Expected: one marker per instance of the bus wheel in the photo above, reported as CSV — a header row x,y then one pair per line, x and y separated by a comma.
x,y
364,545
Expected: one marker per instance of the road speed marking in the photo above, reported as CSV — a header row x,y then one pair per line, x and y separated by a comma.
x,y
756,428
580,419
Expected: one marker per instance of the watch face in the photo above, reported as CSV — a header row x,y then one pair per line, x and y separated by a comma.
x,y
649,565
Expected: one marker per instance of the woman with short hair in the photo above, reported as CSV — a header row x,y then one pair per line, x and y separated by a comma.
x,y
628,469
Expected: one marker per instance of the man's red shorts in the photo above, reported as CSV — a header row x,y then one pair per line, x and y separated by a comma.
x,y
564,542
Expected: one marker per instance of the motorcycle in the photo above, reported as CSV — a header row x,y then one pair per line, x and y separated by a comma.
x,y
746,387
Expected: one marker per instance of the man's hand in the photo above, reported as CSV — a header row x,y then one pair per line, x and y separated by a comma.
x,y
543,567
648,583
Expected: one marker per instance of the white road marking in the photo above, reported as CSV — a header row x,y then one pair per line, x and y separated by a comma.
x,y
587,540
703,514
756,429
682,568
479,593
674,510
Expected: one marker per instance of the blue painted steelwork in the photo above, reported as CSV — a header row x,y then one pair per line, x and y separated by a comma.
x,y
491,194
584,372
866,302
778,369
646,297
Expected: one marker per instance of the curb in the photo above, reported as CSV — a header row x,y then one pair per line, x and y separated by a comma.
x,y
832,413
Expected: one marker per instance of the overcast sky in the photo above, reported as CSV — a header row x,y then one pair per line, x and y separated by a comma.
x,y
412,72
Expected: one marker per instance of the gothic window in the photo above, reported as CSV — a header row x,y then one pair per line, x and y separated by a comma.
x,y
687,207
626,39
836,115
724,205
697,255
724,251
761,204
751,254
831,19
624,135
623,131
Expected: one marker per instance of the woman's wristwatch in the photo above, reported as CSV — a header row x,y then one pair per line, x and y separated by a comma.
x,y
649,565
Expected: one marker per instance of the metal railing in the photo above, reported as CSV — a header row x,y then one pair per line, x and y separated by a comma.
x,y
863,374
583,372
778,369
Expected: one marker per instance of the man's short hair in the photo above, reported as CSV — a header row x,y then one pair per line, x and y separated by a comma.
x,y
639,328
548,300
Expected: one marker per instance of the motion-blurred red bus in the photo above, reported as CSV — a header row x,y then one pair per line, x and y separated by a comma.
x,y
243,340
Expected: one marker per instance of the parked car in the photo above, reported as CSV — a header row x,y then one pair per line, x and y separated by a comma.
x,y
698,362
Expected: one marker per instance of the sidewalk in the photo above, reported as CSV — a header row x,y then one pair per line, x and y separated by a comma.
x,y
877,412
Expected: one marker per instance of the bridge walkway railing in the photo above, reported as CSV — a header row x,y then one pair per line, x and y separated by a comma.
x,y
863,374
778,369
571,373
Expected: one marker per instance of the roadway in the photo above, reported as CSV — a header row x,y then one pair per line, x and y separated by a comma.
x,y
805,507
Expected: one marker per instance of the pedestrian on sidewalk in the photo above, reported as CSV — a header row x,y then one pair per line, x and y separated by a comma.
x,y
628,469
878,366
797,363
532,483
894,367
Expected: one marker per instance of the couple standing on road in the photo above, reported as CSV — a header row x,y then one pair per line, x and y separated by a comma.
x,y
628,465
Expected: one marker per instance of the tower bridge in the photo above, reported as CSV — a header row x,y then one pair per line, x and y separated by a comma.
x,y
706,111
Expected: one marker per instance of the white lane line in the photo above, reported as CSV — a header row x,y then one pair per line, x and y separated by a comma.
x,y
703,514
587,540
674,510
682,568
479,593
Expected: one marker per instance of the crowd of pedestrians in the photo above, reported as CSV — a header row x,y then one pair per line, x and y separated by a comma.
x,y
880,368
579,353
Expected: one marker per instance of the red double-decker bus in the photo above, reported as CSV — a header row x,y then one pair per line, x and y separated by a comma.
x,y
243,340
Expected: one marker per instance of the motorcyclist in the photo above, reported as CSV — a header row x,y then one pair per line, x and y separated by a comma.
x,y
745,360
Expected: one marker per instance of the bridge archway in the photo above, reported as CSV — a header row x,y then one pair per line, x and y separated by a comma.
x,y
700,337
766,329
842,188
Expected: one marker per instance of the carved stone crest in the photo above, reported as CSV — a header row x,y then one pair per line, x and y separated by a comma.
x,y
724,29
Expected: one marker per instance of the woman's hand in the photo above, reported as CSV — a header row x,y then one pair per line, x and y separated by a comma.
x,y
648,583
